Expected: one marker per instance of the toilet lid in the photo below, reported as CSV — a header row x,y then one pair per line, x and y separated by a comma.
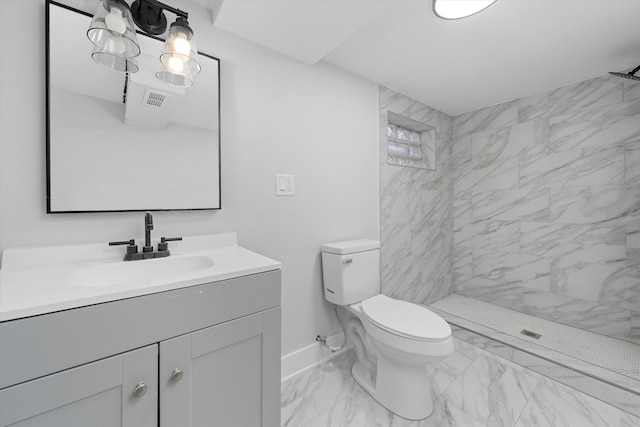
x,y
405,318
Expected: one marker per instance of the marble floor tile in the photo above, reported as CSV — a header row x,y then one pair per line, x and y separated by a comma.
x,y
492,391
445,372
553,405
472,388
568,370
628,420
313,392
359,409
362,410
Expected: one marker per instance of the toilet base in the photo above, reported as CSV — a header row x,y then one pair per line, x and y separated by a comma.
x,y
404,391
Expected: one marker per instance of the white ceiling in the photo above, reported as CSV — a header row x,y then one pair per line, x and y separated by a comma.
x,y
512,49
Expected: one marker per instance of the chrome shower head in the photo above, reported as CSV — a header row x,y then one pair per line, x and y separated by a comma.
x,y
630,75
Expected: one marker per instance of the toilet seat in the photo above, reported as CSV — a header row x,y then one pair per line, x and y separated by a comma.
x,y
405,319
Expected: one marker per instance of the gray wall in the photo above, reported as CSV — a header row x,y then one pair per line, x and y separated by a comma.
x,y
547,205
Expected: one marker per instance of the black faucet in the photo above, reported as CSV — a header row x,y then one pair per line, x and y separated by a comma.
x,y
148,226
147,250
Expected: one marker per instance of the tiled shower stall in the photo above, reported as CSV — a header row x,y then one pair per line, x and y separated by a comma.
x,y
534,205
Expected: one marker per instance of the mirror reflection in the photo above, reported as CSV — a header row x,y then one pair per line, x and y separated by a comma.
x,y
127,141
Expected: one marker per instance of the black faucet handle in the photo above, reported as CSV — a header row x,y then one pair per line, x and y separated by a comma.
x,y
163,245
123,242
132,248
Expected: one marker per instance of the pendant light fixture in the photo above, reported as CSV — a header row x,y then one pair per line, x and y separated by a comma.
x,y
112,33
179,57
111,30
456,9
115,62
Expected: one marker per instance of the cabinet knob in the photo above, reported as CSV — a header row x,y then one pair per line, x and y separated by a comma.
x,y
177,375
140,389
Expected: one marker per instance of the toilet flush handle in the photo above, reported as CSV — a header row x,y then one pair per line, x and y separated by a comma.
x,y
347,261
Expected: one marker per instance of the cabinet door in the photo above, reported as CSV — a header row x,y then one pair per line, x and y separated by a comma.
x,y
227,375
96,394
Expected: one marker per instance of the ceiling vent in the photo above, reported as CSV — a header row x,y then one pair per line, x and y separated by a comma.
x,y
154,98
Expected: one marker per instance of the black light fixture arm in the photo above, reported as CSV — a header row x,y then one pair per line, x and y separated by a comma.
x,y
149,15
634,71
168,8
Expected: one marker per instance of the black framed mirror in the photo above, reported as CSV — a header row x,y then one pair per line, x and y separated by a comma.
x,y
126,141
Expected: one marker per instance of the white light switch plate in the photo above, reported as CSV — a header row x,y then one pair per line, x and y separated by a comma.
x,y
285,185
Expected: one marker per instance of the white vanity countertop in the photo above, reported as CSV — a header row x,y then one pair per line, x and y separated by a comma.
x,y
36,281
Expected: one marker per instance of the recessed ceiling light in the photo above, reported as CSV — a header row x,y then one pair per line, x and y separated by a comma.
x,y
456,9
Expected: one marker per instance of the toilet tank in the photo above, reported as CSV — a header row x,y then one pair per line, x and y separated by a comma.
x,y
351,270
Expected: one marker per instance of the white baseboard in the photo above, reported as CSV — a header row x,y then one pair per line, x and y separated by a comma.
x,y
310,356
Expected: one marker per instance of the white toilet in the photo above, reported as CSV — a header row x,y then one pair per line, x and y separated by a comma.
x,y
394,340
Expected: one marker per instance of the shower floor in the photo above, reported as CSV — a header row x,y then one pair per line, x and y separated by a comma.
x,y
614,355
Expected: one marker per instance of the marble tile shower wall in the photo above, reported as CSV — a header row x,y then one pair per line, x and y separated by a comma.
x,y
546,205
416,211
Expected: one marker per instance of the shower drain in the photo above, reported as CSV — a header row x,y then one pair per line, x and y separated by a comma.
x,y
530,334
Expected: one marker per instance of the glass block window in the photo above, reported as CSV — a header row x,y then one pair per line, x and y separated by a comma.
x,y
404,147
410,143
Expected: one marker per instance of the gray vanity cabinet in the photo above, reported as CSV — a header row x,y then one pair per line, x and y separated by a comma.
x,y
206,355
98,394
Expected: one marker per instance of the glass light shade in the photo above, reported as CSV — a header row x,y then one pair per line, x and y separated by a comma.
x,y
111,29
179,58
456,9
115,62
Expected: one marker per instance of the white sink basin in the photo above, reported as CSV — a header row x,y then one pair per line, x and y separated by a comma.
x,y
40,280
142,271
